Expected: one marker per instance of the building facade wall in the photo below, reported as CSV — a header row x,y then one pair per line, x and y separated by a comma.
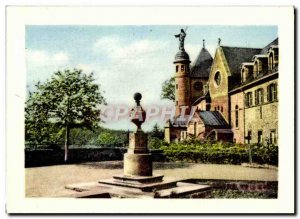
x,y
175,133
263,118
201,105
197,88
218,85
237,117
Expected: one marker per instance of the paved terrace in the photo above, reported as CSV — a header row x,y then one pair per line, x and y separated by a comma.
x,y
50,181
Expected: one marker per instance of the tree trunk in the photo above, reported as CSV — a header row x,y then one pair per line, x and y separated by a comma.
x,y
67,143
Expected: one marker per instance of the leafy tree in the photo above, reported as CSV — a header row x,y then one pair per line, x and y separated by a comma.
x,y
168,89
107,138
70,99
113,137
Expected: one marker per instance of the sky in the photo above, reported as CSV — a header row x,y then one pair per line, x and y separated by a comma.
x,y
128,59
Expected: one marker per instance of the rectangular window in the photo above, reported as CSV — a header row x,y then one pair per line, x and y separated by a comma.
x,y
273,137
248,99
259,137
249,136
177,68
259,97
272,92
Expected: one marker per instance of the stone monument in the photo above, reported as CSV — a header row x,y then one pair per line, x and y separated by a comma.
x,y
138,160
137,179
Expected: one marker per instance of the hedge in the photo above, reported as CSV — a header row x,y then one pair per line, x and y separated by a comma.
x,y
220,152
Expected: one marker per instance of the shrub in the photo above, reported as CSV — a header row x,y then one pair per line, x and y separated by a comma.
x,y
219,152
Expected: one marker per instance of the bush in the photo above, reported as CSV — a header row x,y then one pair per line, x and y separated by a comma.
x,y
219,152
155,143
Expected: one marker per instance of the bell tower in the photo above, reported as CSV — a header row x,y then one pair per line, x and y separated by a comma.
x,y
182,79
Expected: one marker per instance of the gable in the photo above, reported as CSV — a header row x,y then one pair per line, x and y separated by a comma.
x,y
219,65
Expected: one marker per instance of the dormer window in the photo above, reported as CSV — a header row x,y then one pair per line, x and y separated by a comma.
x,y
271,61
273,58
243,76
260,65
255,69
246,71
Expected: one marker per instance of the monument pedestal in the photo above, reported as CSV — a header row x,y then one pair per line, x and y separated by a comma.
x,y
138,167
138,160
137,164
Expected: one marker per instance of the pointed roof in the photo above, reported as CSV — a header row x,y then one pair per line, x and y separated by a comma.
x,y
201,66
237,55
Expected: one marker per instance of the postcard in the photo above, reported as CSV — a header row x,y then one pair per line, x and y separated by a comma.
x,y
150,110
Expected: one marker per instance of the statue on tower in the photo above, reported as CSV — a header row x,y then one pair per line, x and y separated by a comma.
x,y
181,37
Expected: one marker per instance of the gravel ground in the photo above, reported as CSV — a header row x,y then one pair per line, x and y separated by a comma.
x,y
50,181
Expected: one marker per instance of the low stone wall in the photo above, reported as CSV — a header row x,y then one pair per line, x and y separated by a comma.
x,y
47,157
239,185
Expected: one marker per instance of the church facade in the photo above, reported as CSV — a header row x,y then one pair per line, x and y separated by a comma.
x,y
231,97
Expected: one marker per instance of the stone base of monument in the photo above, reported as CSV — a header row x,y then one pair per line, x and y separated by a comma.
x,y
138,187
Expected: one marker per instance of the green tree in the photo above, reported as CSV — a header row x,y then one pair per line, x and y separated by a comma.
x,y
70,99
157,132
168,89
107,138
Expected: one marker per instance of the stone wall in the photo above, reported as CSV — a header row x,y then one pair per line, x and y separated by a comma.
x,y
238,132
263,117
195,94
44,157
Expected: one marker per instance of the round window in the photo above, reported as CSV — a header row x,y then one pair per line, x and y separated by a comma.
x,y
218,78
198,86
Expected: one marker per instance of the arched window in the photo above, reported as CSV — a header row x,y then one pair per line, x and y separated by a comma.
x,y
177,67
236,116
182,68
218,108
195,129
221,109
